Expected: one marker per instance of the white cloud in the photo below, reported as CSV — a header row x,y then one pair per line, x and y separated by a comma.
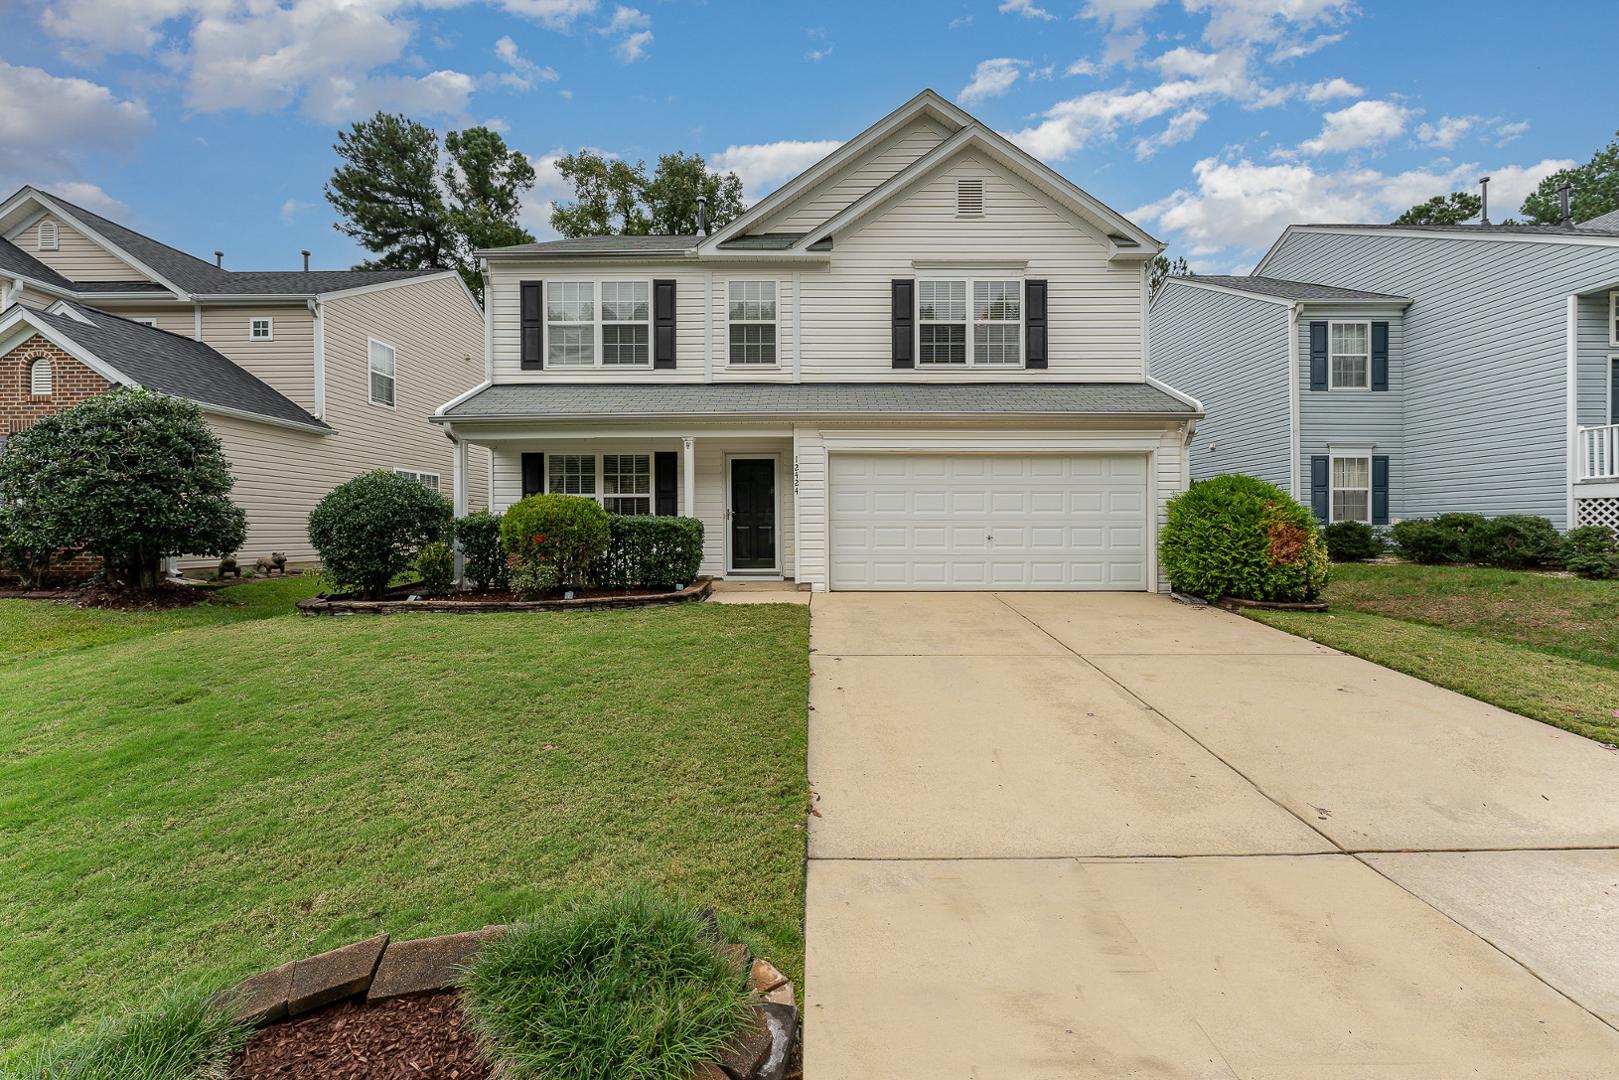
x,y
1328,89
47,120
336,99
1121,49
524,72
1505,133
991,78
292,208
554,14
626,19
97,27
91,197
1447,132
1363,124
635,30
1237,21
1181,127
1025,8
1294,50
634,47
1082,67
1119,14
959,21
815,56
763,166
549,188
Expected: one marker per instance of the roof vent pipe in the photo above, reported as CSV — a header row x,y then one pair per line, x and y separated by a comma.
x,y
702,214
305,254
219,259
1567,191
1484,200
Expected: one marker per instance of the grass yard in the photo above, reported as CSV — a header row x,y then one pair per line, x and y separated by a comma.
x,y
1538,644
184,808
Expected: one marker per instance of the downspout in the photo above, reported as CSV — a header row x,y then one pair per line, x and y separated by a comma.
x,y
196,321
1294,464
488,325
1573,419
318,314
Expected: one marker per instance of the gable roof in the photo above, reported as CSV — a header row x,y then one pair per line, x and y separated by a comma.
x,y
1283,289
602,245
135,354
1535,234
1608,222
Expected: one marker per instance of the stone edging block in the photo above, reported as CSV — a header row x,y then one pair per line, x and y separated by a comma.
x,y
332,976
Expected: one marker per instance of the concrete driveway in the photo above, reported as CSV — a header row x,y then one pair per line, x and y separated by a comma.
x,y
1107,835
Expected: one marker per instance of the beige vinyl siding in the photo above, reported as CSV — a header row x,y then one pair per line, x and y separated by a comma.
x,y
175,318
879,162
437,335
280,475
35,298
76,257
286,362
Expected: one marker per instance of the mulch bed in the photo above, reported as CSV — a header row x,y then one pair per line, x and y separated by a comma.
x,y
506,596
167,595
421,1037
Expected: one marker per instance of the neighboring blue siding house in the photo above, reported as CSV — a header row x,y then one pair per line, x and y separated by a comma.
x,y
1384,372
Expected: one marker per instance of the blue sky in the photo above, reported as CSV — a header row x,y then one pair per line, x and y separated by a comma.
x,y
209,123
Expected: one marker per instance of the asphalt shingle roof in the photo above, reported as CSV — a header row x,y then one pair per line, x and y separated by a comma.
x,y
1608,222
173,364
14,260
1291,290
1485,230
603,245
555,401
779,241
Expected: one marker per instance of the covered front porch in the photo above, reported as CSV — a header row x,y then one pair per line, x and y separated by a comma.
x,y
1593,354
738,481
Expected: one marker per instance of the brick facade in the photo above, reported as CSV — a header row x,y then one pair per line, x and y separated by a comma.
x,y
71,383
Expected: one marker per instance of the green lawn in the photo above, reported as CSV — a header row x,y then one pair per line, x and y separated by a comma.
x,y
1542,645
192,806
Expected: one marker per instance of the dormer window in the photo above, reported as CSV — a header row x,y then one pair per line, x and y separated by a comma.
x,y
970,197
261,329
39,378
48,238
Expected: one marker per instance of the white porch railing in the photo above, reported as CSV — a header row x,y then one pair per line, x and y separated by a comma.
x,y
1599,452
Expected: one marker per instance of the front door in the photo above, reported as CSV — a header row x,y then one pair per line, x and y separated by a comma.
x,y
753,514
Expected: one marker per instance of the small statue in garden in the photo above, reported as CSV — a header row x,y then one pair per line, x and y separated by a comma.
x,y
261,568
278,562
228,568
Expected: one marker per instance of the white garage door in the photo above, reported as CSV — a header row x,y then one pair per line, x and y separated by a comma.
x,y
989,521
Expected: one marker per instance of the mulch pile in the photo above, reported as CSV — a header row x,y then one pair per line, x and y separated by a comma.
x,y
421,1037
166,595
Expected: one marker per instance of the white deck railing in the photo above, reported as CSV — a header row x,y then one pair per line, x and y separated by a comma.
x,y
1599,452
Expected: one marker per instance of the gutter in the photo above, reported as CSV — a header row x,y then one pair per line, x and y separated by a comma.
x,y
506,418
1294,312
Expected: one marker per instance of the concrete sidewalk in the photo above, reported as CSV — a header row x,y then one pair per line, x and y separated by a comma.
x,y
1101,835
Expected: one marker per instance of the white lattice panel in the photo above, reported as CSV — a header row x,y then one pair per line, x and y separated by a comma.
x,y
1598,512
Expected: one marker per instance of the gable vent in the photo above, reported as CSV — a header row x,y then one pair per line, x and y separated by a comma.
x,y
969,198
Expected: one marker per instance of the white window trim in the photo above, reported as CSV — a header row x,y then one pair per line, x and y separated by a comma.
x,y
1332,486
1613,319
1367,323
1607,393
369,397
56,236
599,495
147,321
776,322
418,474
971,278
269,323
597,282
35,365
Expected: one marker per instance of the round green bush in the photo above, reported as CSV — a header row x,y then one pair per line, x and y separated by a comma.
x,y
1424,541
1241,537
1352,541
567,531
1591,551
483,558
369,530
1515,542
627,985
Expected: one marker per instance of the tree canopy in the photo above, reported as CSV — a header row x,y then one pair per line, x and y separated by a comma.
x,y
1596,189
615,197
1163,269
1452,209
415,205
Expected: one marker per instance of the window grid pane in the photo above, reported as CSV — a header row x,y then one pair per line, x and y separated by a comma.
x,y
571,474
1351,489
995,344
751,308
626,474
941,322
625,343
1351,355
382,389
571,323
753,343
381,358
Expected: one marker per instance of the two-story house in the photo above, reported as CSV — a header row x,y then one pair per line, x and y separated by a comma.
x,y
1383,372
308,377
918,365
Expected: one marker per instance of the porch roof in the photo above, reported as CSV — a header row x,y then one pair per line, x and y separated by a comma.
x,y
575,401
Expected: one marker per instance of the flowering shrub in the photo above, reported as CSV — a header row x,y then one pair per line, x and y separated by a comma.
x,y
565,531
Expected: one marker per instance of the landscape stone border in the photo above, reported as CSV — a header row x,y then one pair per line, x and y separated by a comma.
x,y
378,969
1233,603
329,605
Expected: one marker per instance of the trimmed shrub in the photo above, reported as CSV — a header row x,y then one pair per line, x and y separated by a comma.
x,y
1423,541
1466,529
1241,537
626,985
567,531
369,530
26,545
1591,551
650,551
132,476
1515,542
533,580
1352,541
483,560
435,563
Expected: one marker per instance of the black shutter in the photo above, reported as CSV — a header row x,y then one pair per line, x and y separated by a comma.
x,y
1318,486
1380,356
1380,489
533,474
663,324
1318,356
1034,318
1613,391
903,293
664,466
532,316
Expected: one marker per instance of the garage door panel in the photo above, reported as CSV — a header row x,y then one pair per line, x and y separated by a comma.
x,y
1002,521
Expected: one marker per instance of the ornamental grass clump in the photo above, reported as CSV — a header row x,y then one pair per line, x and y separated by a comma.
x,y
181,1038
628,986
1236,536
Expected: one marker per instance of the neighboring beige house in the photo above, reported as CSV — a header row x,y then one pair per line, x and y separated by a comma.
x,y
918,365
308,377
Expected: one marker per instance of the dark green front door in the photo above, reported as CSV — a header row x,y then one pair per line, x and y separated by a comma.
x,y
753,514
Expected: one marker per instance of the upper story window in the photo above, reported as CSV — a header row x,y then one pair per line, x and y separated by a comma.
x,y
615,333
428,480
1613,319
380,366
970,197
994,314
752,313
261,329
1349,358
1352,489
49,236
40,381
145,322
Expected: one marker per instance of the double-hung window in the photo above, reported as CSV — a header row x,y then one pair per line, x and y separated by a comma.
x,y
622,483
571,474
751,306
1350,356
380,364
580,332
1352,489
570,323
626,322
970,321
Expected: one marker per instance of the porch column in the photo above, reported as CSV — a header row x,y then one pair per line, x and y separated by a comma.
x,y
458,470
688,467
